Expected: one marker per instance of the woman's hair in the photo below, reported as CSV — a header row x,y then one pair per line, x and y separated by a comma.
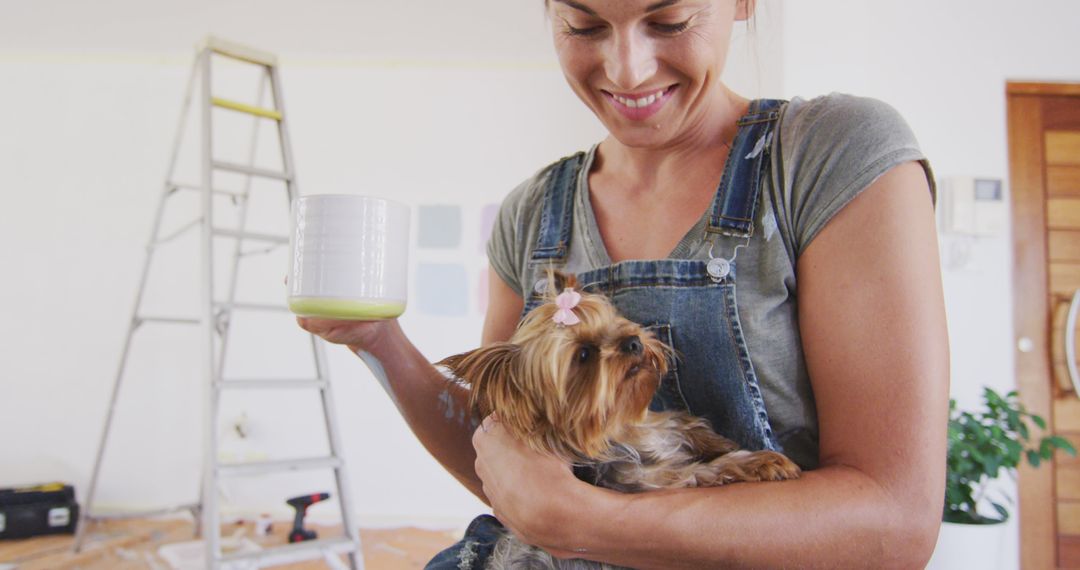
x,y
749,23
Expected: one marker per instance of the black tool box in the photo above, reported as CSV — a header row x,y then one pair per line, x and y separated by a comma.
x,y
37,510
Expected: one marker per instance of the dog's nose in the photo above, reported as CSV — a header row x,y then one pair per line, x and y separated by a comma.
x,y
632,345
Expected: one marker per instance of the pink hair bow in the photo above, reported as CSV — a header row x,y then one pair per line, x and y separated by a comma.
x,y
566,301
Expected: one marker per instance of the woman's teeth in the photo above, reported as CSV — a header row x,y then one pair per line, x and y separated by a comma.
x,y
642,102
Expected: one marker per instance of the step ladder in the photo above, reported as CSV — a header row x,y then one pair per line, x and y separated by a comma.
x,y
215,317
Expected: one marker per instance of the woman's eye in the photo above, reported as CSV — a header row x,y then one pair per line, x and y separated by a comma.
x,y
671,29
583,354
583,32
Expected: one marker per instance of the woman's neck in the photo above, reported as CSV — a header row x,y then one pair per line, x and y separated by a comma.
x,y
694,154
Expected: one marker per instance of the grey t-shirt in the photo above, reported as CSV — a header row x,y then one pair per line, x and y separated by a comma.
x,y
828,150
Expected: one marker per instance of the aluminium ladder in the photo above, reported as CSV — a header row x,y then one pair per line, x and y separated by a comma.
x,y
215,317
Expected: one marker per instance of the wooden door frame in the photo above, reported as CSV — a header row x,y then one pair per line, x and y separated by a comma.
x,y
1031,311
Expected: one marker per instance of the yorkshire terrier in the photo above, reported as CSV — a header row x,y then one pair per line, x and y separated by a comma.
x,y
575,381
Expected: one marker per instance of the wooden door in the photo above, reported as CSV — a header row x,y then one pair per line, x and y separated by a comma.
x,y
1044,164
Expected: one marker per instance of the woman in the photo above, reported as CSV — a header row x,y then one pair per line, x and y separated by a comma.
x,y
835,349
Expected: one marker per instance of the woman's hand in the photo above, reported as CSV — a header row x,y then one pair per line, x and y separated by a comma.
x,y
535,495
357,335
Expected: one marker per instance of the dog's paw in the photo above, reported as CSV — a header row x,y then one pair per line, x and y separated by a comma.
x,y
773,466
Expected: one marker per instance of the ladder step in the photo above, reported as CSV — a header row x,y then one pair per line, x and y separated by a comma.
x,y
174,320
251,170
270,384
251,235
178,232
253,307
287,553
141,514
198,188
238,51
260,467
245,108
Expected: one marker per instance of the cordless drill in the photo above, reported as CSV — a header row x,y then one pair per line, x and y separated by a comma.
x,y
301,503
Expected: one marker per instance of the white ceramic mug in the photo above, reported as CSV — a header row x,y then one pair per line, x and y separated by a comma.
x,y
348,257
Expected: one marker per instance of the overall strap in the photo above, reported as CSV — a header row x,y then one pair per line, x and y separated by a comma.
x,y
556,220
732,211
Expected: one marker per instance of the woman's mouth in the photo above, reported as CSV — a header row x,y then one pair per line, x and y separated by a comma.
x,y
640,106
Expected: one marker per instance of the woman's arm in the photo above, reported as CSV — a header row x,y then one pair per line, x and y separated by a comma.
x,y
426,400
422,394
503,312
872,320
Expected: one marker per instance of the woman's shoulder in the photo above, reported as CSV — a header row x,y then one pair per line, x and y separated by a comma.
x,y
829,150
836,106
842,119
517,225
527,196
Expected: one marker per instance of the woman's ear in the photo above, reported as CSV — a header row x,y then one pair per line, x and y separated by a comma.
x,y
744,9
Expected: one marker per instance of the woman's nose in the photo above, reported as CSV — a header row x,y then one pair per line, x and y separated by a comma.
x,y
630,61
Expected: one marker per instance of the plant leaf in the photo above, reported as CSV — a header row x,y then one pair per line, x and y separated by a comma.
x,y
1062,444
1001,511
1013,453
1033,458
1046,449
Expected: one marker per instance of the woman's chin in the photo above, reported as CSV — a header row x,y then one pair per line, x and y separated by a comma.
x,y
644,137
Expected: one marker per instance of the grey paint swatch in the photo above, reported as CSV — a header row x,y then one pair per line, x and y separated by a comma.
x,y
439,227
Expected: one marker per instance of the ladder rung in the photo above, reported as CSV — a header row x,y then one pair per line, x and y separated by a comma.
x,y
199,188
179,231
252,236
270,384
253,307
245,108
287,552
239,51
176,320
141,514
259,467
251,170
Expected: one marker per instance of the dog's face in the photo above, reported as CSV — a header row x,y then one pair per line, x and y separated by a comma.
x,y
567,389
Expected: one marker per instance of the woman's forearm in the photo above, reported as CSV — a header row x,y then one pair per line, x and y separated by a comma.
x,y
435,408
834,517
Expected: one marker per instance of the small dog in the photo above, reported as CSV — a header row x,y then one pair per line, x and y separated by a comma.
x,y
575,381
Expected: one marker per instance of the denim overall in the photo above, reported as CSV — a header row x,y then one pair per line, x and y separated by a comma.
x,y
688,304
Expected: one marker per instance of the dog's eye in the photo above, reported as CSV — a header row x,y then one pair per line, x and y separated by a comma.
x,y
584,353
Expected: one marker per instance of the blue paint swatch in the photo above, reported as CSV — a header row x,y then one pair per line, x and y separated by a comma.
x,y
482,292
442,289
439,227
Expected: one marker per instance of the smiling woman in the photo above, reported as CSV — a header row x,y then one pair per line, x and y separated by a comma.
x,y
648,73
785,250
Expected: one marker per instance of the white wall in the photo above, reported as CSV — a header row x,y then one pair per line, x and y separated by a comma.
x,y
445,103
428,102
944,65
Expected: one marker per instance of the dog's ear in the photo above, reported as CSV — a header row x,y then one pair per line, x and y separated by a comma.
x,y
488,372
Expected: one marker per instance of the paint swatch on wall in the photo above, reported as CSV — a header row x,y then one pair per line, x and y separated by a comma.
x,y
439,227
442,289
487,221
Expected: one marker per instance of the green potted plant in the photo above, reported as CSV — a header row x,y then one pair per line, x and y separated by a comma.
x,y
983,445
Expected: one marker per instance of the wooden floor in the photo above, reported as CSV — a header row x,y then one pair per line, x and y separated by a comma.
x,y
134,544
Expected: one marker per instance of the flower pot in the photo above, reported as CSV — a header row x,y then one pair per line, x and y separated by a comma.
x,y
979,546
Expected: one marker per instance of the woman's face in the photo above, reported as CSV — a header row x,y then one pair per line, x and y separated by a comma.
x,y
649,69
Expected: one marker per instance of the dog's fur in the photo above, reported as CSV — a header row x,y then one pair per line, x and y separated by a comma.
x,y
581,393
